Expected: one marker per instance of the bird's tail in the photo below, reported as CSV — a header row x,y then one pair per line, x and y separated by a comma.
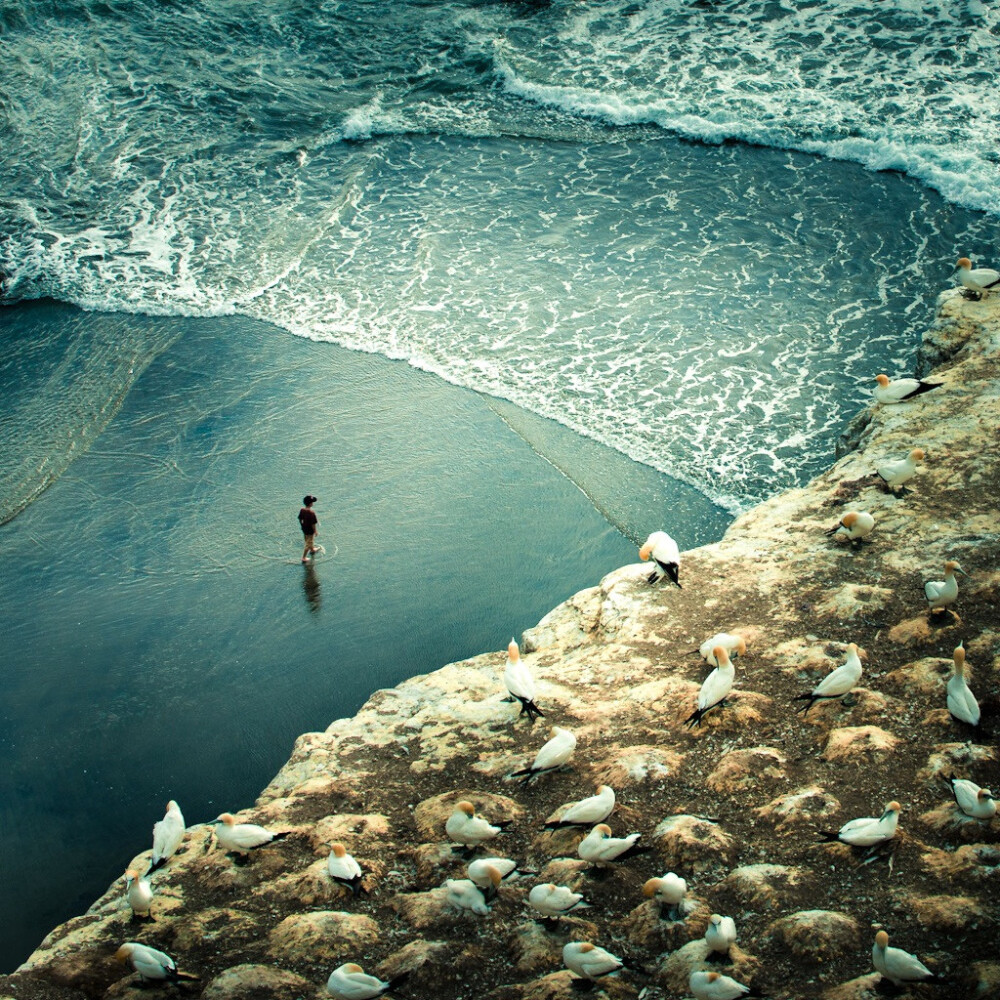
x,y
926,387
156,865
833,530
533,711
281,835
633,851
828,836
809,700
694,719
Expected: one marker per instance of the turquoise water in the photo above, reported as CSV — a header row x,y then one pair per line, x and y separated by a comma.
x,y
161,639
634,263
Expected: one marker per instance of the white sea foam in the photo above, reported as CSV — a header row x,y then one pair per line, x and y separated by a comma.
x,y
711,312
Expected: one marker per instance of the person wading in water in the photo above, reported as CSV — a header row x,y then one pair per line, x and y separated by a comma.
x,y
310,526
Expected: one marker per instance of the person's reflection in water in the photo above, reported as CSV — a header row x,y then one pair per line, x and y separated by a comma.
x,y
310,587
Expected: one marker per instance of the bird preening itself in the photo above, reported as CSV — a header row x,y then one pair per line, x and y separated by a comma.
x,y
590,962
167,836
520,683
151,964
481,872
898,390
351,982
468,830
716,687
734,645
854,525
977,281
895,473
554,901
668,891
662,549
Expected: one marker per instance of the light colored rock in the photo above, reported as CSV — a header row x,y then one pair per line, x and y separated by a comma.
x,y
944,912
862,988
925,676
804,805
219,926
858,741
763,886
414,959
694,844
321,936
949,758
818,935
632,765
852,601
743,770
258,982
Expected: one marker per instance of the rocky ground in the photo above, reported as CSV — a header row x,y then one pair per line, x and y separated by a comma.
x,y
736,806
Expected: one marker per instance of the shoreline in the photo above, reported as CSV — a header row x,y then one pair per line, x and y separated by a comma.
x,y
613,664
177,618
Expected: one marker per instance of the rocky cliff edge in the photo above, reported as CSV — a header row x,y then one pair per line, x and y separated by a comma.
x,y
735,806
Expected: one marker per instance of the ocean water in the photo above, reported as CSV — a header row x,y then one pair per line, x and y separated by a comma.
x,y
667,246
692,232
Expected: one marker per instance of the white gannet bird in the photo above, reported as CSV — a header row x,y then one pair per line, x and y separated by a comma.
x,y
481,870
669,891
896,472
138,894
590,962
662,549
464,894
836,683
552,755
971,799
976,280
734,645
468,830
868,831
715,986
151,964
167,836
600,847
716,687
586,812
351,982
344,870
896,965
520,684
241,838
942,593
961,701
854,525
720,933
898,390
554,901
